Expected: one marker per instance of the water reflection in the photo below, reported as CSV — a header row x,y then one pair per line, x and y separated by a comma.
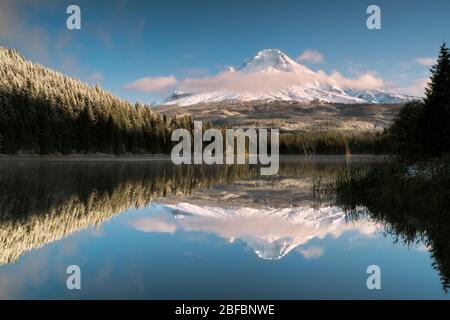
x,y
412,204
42,202
270,232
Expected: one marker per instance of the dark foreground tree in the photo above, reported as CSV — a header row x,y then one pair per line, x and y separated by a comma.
x,y
435,122
405,131
422,128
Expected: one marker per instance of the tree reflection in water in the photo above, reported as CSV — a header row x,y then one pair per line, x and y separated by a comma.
x,y
413,204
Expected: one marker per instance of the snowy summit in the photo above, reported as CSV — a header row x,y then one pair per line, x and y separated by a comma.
x,y
273,76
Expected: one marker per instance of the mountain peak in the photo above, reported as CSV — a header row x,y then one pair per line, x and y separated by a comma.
x,y
278,68
269,59
271,53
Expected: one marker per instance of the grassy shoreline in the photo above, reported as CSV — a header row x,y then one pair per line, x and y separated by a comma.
x,y
167,156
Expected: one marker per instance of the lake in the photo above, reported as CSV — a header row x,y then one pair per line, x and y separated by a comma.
x,y
147,229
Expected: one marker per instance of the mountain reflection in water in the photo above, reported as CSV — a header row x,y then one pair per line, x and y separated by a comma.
x,y
42,202
271,233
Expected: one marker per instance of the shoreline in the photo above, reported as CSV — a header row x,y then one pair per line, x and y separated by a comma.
x,y
166,157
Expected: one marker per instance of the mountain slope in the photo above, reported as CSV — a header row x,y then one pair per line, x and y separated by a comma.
x,y
43,111
276,77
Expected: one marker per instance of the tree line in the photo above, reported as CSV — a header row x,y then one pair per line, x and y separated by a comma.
x,y
43,111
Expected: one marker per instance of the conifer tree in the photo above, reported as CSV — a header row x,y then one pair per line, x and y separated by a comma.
x,y
435,124
422,128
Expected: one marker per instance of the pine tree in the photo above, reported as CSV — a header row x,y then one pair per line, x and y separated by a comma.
x,y
435,124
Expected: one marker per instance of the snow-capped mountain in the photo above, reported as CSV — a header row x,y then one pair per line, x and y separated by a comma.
x,y
270,232
273,60
379,96
271,76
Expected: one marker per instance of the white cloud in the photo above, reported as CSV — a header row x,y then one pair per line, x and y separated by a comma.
x,y
311,56
367,80
312,252
416,88
428,62
159,224
235,81
152,84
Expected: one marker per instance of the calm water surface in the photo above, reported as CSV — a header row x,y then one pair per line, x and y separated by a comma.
x,y
152,230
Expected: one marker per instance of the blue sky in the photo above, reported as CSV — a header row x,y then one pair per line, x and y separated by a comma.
x,y
123,41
